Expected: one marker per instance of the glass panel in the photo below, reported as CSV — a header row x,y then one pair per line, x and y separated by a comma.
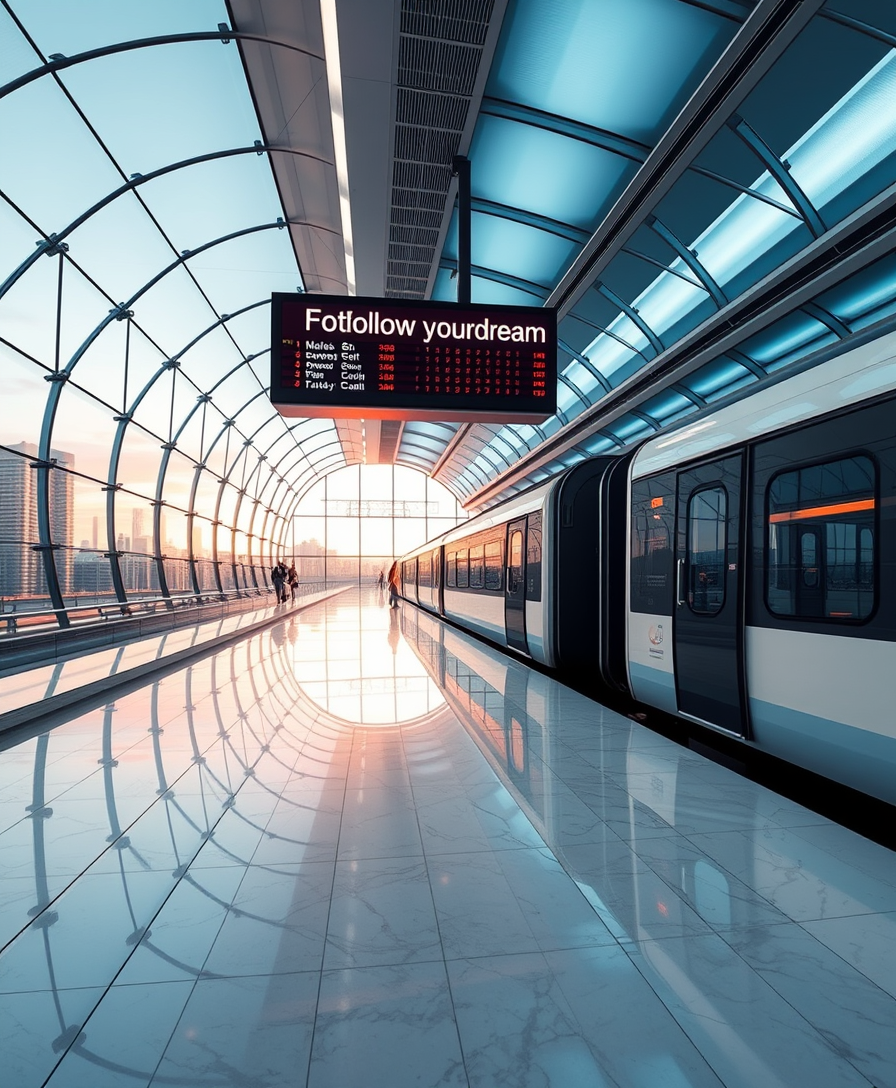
x,y
477,566
821,540
494,573
516,561
533,557
463,569
706,567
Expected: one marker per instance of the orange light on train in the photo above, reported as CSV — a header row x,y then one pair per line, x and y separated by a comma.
x,y
831,510
655,504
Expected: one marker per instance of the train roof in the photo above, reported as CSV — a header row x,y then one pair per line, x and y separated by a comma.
x,y
531,499
851,377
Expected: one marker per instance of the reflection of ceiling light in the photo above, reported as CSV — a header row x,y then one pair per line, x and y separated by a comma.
x,y
337,118
688,432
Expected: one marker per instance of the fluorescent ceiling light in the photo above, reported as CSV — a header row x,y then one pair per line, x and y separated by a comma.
x,y
337,119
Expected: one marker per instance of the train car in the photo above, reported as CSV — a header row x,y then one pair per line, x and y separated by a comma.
x,y
762,569
531,574
738,572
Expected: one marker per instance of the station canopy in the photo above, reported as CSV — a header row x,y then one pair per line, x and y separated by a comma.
x,y
703,189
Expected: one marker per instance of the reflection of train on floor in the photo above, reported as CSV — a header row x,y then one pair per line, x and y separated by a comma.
x,y
738,572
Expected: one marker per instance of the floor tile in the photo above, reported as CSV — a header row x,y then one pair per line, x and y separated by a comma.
x,y
746,1031
381,913
243,1031
386,1027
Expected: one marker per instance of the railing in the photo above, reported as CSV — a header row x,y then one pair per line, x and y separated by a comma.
x,y
18,619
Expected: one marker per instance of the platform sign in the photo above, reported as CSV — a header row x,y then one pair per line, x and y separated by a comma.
x,y
373,358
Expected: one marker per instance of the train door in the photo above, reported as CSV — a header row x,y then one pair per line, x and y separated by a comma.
x,y
438,597
515,586
708,610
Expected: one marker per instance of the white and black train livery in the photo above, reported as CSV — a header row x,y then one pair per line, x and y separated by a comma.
x,y
739,571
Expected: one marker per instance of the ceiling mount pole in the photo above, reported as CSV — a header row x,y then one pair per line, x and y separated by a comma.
x,y
461,166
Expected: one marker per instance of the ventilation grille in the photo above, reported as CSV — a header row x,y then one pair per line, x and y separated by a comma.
x,y
390,435
438,60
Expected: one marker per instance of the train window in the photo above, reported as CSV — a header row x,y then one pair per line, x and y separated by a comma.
x,y
477,566
653,510
463,569
451,569
809,559
424,571
706,556
515,566
494,563
533,557
820,536
436,571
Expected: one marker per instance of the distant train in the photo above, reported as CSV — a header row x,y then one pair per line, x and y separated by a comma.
x,y
738,572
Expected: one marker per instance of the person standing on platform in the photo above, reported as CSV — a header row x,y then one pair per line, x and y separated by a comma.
x,y
279,575
292,578
393,585
381,581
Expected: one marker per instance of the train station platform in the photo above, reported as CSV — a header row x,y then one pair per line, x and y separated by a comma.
x,y
358,848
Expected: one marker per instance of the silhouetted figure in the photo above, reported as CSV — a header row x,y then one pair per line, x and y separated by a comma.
x,y
279,574
393,585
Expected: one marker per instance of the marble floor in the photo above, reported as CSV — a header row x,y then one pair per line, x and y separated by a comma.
x,y
360,850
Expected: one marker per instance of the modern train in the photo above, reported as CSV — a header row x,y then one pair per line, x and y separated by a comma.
x,y
738,572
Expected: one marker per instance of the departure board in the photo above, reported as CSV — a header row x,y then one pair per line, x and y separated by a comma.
x,y
349,357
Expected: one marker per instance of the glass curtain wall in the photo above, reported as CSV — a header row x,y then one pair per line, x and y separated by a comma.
x,y
352,524
141,461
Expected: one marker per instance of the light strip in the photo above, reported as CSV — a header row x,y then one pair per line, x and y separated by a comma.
x,y
337,120
823,511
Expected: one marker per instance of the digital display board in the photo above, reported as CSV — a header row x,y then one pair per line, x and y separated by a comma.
x,y
372,358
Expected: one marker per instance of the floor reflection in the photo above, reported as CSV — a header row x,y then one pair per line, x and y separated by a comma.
x,y
347,667
361,848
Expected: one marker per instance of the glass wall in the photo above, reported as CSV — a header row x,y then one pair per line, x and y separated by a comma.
x,y
352,524
141,462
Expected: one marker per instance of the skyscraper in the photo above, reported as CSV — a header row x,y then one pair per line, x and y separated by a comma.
x,y
21,568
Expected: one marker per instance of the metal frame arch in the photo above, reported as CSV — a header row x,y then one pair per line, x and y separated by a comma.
x,y
689,256
198,468
584,361
631,313
572,315
494,457
530,219
491,274
498,435
167,448
780,171
310,475
53,240
258,499
512,427
489,443
571,385
862,27
51,67
226,425
59,378
612,142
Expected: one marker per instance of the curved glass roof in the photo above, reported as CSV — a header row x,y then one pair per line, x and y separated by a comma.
x,y
704,190
561,147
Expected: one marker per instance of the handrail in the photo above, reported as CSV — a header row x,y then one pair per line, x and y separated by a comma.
x,y
106,611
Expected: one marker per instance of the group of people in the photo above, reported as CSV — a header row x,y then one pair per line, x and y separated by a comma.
x,y
287,578
284,578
